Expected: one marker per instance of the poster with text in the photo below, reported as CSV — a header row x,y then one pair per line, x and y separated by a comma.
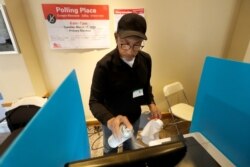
x,y
118,13
77,26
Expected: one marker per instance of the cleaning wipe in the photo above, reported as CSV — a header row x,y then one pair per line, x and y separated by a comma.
x,y
151,131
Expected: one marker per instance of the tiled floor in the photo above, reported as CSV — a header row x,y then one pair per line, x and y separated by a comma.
x,y
95,135
95,140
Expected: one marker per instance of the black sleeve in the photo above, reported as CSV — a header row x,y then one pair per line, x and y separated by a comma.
x,y
97,95
150,96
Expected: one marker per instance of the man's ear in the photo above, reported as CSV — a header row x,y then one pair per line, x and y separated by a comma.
x,y
116,36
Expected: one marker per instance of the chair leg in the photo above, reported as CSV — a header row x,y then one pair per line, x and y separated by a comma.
x,y
175,121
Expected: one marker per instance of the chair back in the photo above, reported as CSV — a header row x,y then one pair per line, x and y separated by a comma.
x,y
172,88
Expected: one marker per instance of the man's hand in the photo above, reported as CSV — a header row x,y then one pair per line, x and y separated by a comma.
x,y
114,125
155,113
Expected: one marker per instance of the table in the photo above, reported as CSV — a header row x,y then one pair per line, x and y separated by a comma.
x,y
219,157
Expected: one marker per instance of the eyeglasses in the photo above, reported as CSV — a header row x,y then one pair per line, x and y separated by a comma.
x,y
135,47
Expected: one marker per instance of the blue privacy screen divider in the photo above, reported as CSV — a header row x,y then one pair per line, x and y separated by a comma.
x,y
222,109
57,134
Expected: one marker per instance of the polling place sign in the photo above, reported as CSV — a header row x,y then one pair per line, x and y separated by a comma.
x,y
72,26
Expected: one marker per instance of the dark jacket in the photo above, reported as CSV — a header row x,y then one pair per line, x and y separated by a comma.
x,y
114,83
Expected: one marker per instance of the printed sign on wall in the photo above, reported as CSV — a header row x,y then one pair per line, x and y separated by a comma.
x,y
120,12
77,26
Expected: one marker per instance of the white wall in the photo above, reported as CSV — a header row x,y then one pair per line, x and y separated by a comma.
x,y
180,35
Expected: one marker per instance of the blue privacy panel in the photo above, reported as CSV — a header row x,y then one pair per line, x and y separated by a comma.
x,y
222,109
57,134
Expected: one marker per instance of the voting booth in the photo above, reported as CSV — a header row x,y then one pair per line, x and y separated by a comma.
x,y
56,135
222,109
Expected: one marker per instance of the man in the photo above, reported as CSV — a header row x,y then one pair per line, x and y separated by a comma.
x,y
121,82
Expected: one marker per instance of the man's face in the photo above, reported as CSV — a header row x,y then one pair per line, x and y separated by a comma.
x,y
129,47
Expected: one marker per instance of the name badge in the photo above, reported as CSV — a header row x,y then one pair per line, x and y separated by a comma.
x,y
138,93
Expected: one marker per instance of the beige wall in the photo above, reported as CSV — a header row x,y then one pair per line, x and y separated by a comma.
x,y
21,73
181,34
247,55
241,33
14,77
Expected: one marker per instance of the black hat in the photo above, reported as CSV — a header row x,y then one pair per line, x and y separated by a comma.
x,y
132,24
